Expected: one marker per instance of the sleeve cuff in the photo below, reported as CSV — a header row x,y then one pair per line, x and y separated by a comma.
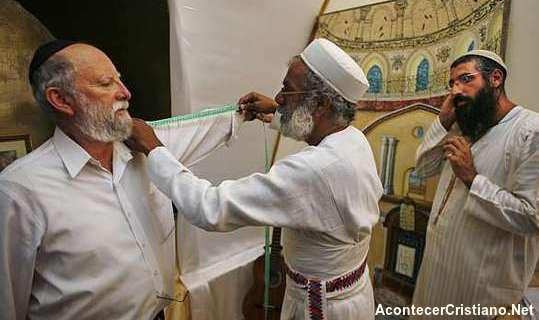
x,y
237,121
438,128
478,185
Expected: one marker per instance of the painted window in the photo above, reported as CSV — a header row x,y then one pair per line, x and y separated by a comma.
x,y
422,76
374,76
471,46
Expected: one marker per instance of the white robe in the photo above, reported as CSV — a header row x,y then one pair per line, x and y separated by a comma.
x,y
325,197
483,245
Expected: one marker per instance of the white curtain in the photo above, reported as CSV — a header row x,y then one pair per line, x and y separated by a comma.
x,y
221,50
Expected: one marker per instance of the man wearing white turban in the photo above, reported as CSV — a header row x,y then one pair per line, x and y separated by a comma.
x,y
325,197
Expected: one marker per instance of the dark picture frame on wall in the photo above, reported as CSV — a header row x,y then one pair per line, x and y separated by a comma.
x,y
13,147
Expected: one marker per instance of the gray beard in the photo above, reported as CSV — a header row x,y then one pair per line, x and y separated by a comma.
x,y
298,124
99,124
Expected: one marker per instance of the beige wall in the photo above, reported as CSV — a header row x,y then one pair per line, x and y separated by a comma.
x,y
522,53
20,34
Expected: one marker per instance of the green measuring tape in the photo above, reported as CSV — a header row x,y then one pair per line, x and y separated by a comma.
x,y
212,112
207,113
267,241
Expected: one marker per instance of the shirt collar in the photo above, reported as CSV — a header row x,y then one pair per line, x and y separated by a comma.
x,y
511,114
75,157
120,157
336,135
72,154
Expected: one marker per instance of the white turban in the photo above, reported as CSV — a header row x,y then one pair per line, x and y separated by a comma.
x,y
336,68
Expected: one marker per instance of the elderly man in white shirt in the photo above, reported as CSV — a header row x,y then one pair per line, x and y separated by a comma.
x,y
325,197
84,234
482,242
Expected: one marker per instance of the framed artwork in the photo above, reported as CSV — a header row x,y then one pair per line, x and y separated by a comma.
x,y
405,254
12,148
405,260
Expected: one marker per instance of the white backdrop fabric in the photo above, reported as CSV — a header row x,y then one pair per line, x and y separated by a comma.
x,y
219,51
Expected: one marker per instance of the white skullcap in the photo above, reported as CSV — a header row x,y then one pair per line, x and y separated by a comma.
x,y
336,68
486,54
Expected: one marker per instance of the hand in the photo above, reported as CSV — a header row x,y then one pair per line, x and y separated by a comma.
x,y
458,151
255,105
267,118
143,138
447,112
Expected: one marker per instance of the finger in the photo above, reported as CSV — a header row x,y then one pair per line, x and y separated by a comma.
x,y
264,117
245,109
250,107
450,140
248,116
250,97
448,102
461,144
451,151
455,141
255,107
464,142
241,108
268,118
139,121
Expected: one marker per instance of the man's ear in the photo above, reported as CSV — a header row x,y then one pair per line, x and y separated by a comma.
x,y
496,78
59,101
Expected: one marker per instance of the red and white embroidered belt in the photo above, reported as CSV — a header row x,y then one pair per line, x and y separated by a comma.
x,y
316,302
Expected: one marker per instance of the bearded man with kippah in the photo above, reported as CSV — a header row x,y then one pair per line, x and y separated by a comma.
x,y
482,241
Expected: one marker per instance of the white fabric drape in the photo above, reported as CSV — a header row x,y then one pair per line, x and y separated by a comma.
x,y
221,50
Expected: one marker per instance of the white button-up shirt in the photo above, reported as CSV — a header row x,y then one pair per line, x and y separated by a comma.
x,y
326,197
482,243
77,242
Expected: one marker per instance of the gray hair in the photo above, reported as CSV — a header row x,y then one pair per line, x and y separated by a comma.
x,y
58,72
344,111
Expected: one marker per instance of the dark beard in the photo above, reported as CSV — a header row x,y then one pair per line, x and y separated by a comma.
x,y
478,114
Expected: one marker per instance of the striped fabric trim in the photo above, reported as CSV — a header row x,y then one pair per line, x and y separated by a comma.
x,y
316,302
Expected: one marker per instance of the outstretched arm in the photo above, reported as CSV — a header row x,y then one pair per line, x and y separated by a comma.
x,y
290,195
190,140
